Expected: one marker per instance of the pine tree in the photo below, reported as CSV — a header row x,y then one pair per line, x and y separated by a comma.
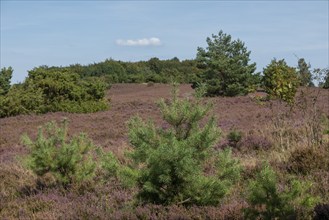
x,y
172,159
304,73
5,78
68,161
227,70
267,201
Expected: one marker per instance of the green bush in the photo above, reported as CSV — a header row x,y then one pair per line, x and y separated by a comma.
x,y
171,160
22,99
5,78
153,70
53,153
234,137
48,90
280,80
267,201
110,167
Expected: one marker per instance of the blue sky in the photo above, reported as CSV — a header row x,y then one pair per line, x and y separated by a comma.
x,y
35,33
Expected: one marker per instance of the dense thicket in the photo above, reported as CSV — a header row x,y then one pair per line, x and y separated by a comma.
x,y
153,70
50,90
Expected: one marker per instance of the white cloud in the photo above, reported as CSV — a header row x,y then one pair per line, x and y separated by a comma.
x,y
153,41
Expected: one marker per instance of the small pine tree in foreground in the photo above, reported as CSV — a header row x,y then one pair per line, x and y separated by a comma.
x,y
171,159
267,201
67,160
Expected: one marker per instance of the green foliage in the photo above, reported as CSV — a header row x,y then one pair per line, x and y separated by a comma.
x,y
5,78
111,168
171,160
326,79
234,137
67,160
268,201
109,164
304,73
280,80
49,90
22,99
226,66
153,70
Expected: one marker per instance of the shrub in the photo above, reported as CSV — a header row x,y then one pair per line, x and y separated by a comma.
x,y
5,78
65,91
109,164
306,160
280,80
14,179
67,160
111,167
267,201
22,99
48,90
234,137
171,161
254,142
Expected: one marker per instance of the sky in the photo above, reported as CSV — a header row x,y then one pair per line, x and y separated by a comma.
x,y
60,33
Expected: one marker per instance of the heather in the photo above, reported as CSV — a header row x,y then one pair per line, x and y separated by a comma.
x,y
291,140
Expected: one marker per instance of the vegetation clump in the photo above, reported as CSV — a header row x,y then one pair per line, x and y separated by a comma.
x,y
5,79
304,73
234,137
54,155
268,201
173,169
280,80
255,142
226,67
325,83
50,91
172,159
306,160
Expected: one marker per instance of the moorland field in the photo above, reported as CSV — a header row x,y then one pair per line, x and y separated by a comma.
x,y
269,131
